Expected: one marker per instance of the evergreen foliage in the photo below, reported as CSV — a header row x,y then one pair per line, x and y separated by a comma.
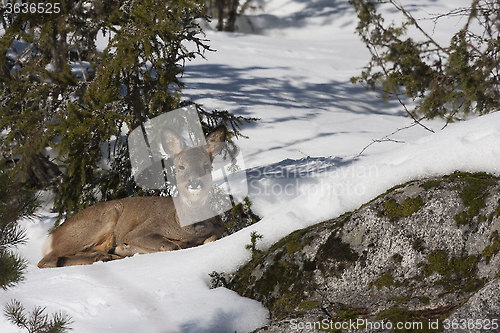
x,y
254,237
16,203
239,217
449,81
59,90
36,321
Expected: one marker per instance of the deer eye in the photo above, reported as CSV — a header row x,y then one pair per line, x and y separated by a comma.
x,y
181,167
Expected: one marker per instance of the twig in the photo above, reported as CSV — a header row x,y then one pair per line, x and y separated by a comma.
x,y
412,20
386,138
450,118
20,57
381,64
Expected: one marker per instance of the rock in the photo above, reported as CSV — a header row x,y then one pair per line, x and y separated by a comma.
x,y
479,312
422,253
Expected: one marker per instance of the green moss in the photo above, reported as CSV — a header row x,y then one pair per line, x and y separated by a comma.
x,y
477,184
467,175
437,262
458,274
284,305
473,195
293,242
491,250
276,275
243,279
397,258
308,305
282,285
418,245
279,255
344,218
350,313
424,299
497,210
335,250
430,184
386,280
281,288
400,300
409,206
495,213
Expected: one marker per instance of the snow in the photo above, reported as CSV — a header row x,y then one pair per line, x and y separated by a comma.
x,y
302,164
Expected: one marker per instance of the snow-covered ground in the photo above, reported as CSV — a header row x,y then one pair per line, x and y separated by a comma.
x,y
302,162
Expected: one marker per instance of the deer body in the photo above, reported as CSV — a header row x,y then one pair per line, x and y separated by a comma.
x,y
120,228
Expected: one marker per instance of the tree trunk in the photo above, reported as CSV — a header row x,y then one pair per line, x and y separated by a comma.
x,y
58,49
4,69
230,26
220,8
42,172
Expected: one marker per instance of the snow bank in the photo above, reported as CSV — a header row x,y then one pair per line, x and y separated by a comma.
x,y
301,90
168,292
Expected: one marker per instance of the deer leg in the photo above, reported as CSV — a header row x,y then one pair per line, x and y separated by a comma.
x,y
145,244
50,260
86,258
210,239
81,258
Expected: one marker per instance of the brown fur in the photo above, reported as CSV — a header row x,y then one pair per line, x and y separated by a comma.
x,y
120,228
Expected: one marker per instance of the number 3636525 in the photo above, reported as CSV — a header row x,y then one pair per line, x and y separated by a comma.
x,y
32,8
471,324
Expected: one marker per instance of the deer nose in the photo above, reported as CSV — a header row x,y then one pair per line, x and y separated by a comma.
x,y
194,186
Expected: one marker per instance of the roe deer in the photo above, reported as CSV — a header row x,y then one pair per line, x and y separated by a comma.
x,y
120,228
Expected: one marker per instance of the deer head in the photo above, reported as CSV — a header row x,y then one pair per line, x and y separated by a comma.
x,y
193,166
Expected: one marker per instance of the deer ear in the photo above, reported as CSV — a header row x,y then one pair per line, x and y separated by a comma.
x,y
216,139
172,143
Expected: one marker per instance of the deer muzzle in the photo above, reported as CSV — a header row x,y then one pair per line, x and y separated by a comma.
x,y
194,186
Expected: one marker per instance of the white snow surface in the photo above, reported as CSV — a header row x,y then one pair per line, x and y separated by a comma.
x,y
301,159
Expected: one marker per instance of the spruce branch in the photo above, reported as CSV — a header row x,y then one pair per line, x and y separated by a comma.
x,y
36,321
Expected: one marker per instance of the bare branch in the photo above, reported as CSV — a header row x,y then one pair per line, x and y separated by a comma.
x,y
387,138
415,23
381,64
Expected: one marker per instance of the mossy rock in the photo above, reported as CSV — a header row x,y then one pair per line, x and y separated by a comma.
x,y
473,195
386,280
431,183
394,210
492,249
401,256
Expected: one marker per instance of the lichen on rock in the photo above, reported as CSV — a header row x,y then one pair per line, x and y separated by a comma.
x,y
422,251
